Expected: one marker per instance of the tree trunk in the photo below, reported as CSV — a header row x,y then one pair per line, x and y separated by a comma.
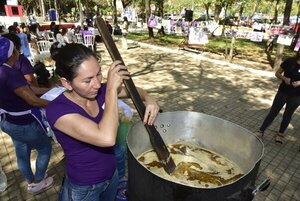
x,y
160,10
278,57
206,6
80,12
276,11
230,57
42,5
287,11
254,8
241,10
58,10
115,17
217,11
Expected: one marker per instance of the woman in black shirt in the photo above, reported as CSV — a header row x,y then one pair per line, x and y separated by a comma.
x,y
288,94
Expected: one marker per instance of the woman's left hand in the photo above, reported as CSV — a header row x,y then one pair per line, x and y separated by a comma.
x,y
296,83
151,111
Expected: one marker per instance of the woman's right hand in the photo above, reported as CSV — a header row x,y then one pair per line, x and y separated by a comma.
x,y
116,74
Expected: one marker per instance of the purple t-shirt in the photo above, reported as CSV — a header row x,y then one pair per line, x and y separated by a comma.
x,y
86,32
24,65
11,79
86,164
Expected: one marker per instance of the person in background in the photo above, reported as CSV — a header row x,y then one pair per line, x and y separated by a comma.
x,y
86,31
91,172
31,19
52,26
71,33
78,29
125,32
22,25
34,37
35,31
59,36
16,25
95,17
56,30
22,64
2,30
89,20
24,43
26,31
110,29
66,35
12,29
125,26
17,100
288,94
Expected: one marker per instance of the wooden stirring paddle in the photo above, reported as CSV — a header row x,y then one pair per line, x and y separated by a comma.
x,y
155,138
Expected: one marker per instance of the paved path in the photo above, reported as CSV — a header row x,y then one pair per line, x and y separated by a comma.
x,y
187,81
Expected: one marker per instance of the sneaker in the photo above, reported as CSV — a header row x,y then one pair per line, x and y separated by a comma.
x,y
43,185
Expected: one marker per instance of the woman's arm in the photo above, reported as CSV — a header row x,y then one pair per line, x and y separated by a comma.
x,y
152,107
279,75
39,90
104,133
28,95
31,80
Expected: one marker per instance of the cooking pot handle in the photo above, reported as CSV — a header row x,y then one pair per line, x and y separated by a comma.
x,y
248,193
263,186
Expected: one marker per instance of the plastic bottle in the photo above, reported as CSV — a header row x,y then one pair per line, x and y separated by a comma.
x,y
3,180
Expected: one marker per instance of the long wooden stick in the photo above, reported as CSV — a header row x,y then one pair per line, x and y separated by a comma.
x,y
155,138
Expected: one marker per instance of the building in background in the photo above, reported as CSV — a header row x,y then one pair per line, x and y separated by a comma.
x,y
10,12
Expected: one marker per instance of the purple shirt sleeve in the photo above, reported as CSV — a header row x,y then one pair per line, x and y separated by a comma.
x,y
24,65
15,79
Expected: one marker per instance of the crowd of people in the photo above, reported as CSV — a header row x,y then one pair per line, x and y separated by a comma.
x,y
30,34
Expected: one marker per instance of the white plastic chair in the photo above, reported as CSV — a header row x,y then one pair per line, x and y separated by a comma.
x,y
43,49
44,46
89,41
79,38
50,36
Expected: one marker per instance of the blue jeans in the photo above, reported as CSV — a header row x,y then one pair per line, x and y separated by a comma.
x,y
26,138
103,191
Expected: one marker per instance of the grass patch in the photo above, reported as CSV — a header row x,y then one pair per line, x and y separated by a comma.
x,y
244,48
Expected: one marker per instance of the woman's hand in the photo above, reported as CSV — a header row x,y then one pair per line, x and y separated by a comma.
x,y
287,80
116,73
295,83
151,111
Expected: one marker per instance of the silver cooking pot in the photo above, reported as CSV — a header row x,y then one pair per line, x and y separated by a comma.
x,y
228,139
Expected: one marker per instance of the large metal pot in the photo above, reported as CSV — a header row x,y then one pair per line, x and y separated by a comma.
x,y
221,136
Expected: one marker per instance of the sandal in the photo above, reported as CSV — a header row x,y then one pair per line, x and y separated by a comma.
x,y
279,138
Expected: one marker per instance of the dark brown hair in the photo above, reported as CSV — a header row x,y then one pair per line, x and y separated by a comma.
x,y
70,57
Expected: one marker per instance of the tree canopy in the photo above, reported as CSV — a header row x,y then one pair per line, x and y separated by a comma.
x,y
218,8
